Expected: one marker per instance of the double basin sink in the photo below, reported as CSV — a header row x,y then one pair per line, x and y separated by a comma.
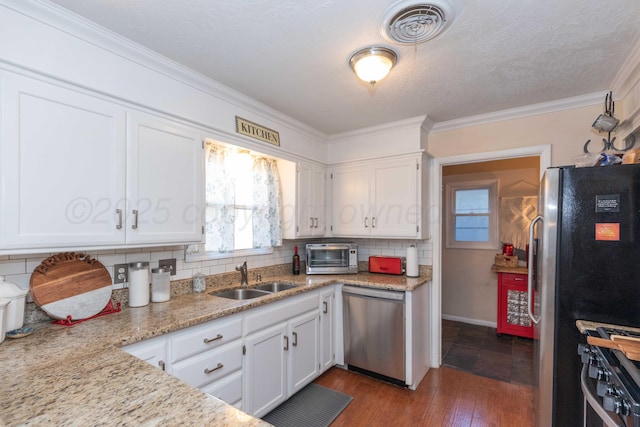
x,y
254,292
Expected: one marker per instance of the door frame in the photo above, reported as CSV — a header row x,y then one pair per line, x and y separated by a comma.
x,y
435,215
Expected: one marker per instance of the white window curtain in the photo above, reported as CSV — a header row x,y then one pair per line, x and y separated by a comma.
x,y
266,201
220,197
267,208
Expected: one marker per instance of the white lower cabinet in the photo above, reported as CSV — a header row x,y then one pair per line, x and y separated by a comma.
x,y
327,322
253,360
264,373
282,351
153,351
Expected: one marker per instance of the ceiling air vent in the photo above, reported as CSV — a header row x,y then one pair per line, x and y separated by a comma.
x,y
410,23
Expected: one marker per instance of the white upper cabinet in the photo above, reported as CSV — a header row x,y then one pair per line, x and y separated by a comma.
x,y
76,166
165,181
311,216
63,166
379,198
304,198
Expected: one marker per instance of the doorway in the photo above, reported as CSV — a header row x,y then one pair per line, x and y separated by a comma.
x,y
543,153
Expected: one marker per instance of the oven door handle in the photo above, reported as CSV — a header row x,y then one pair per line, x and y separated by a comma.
x,y
590,398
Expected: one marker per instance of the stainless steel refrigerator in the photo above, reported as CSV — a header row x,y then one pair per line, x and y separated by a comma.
x,y
585,254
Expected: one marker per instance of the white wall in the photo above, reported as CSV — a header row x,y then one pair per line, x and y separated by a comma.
x,y
566,131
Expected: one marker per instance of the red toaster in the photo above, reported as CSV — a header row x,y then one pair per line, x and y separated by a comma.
x,y
386,265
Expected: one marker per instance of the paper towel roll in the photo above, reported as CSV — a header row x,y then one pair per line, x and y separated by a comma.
x,y
412,262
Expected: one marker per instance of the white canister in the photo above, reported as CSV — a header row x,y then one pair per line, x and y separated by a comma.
x,y
3,311
160,284
413,269
14,312
138,284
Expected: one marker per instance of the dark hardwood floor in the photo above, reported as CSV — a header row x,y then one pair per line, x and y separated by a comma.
x,y
445,397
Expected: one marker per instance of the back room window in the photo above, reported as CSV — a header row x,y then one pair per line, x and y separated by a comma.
x,y
471,215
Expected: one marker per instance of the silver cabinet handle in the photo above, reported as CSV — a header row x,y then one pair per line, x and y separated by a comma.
x,y
208,340
135,219
326,307
119,213
311,219
162,364
518,279
366,222
295,339
531,267
210,371
373,222
317,222
286,343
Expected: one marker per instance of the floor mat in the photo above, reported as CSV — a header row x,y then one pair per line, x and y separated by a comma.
x,y
313,406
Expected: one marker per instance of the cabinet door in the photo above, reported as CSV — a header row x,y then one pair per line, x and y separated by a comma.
x,y
62,166
318,190
305,210
304,364
326,331
154,352
394,203
165,181
350,201
265,386
311,200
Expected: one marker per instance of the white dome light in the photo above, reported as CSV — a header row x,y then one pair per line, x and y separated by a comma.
x,y
372,64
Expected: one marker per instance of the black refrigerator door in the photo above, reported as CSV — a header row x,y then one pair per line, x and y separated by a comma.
x,y
597,275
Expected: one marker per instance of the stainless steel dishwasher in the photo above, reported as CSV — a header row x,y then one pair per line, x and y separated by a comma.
x,y
374,338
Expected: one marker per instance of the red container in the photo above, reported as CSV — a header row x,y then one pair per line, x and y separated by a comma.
x,y
385,265
507,249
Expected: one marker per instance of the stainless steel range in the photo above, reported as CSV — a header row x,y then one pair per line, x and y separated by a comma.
x,y
610,384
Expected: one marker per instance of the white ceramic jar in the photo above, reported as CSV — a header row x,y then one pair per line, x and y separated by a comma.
x,y
14,312
138,284
3,311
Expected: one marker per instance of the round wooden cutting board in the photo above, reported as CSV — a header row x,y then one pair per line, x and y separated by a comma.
x,y
70,284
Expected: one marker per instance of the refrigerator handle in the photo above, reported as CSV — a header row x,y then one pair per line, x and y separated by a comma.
x,y
531,267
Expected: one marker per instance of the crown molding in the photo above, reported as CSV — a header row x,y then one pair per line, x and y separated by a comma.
x,y
413,123
628,74
520,112
76,26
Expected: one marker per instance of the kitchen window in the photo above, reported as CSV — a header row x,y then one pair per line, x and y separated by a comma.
x,y
472,215
243,204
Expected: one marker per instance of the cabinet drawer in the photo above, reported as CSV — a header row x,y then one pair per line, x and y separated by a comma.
x,y
514,279
279,312
209,366
205,337
227,389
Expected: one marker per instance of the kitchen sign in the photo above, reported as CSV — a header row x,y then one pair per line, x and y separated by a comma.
x,y
254,130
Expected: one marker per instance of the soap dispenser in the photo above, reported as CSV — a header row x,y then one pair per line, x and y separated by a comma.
x,y
14,314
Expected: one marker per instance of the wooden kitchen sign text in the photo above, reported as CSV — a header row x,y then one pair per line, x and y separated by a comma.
x,y
253,130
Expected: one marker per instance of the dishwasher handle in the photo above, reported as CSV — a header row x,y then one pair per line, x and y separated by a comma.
x,y
373,293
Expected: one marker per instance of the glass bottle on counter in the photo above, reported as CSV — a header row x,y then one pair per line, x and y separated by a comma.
x,y
296,261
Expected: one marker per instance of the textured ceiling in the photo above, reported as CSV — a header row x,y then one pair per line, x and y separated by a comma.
x,y
293,55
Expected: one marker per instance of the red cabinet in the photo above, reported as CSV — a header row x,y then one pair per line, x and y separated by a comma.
x,y
513,318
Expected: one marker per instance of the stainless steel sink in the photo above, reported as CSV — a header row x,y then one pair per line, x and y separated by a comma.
x,y
240,294
275,286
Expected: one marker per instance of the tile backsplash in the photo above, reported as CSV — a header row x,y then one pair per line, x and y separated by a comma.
x,y
18,268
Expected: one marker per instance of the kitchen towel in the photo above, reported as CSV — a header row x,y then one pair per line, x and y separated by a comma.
x,y
412,262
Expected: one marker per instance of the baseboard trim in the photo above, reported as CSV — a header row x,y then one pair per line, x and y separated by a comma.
x,y
469,320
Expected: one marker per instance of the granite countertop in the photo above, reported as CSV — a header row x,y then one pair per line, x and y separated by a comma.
x,y
77,375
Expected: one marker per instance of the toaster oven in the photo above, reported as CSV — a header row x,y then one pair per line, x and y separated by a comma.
x,y
332,258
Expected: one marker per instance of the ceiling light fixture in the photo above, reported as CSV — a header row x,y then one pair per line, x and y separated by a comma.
x,y
373,63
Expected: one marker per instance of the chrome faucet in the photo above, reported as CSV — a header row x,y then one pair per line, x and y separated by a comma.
x,y
242,268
